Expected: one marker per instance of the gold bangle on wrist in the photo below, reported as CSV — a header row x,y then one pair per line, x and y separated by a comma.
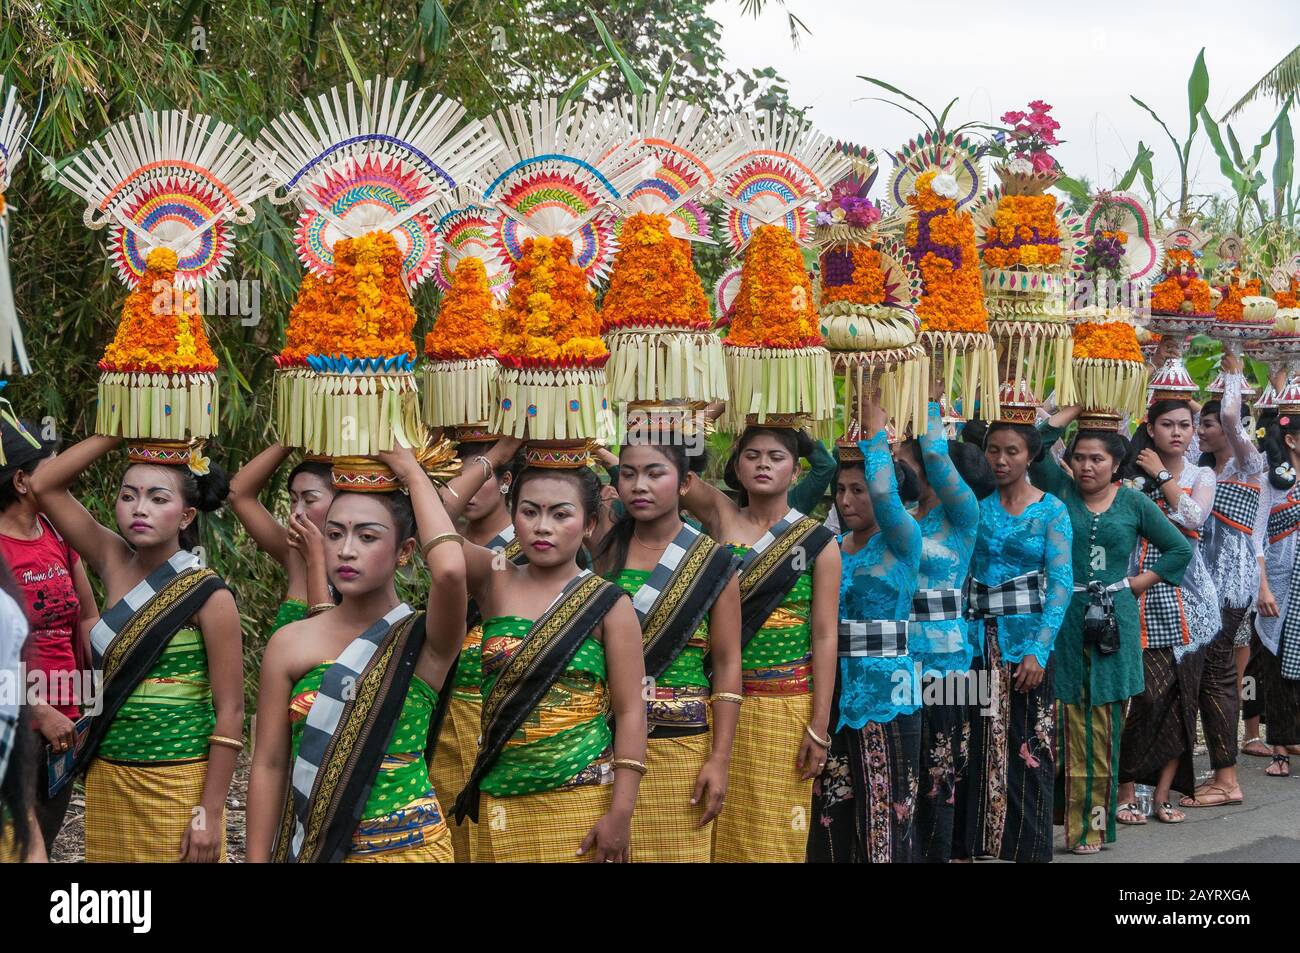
x,y
824,742
318,608
440,538
226,742
631,765
727,697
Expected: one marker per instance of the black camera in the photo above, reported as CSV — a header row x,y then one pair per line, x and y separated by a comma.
x,y
1100,627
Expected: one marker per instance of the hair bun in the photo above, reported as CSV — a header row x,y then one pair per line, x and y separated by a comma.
x,y
214,488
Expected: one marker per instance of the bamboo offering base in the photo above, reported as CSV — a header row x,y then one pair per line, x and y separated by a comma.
x,y
665,364
768,381
902,375
459,392
347,414
1118,387
156,406
1033,353
968,365
553,403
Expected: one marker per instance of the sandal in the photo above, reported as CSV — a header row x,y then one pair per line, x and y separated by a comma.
x,y
1084,850
1195,799
1267,752
1166,814
1284,761
1132,810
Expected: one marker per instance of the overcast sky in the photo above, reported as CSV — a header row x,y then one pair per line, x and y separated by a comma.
x,y
1085,59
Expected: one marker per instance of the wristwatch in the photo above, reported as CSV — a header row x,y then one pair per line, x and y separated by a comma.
x,y
1163,477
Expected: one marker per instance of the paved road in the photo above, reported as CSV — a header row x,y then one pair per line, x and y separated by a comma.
x,y
1266,828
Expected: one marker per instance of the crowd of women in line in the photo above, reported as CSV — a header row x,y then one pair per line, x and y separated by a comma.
x,y
989,637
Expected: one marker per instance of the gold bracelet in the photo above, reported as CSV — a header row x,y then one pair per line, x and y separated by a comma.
x,y
440,538
727,697
628,763
824,742
318,608
226,742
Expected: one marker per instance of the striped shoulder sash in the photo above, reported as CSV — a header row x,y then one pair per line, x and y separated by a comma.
x,y
131,634
537,662
771,568
345,736
681,589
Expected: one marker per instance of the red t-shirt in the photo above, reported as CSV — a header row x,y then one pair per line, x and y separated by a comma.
x,y
42,567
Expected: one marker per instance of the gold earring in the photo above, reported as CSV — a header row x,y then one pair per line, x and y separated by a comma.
x,y
403,560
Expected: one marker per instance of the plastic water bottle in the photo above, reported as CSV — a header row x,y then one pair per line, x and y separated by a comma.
x,y
1143,795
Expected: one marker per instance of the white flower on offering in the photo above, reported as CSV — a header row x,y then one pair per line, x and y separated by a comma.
x,y
1020,166
945,184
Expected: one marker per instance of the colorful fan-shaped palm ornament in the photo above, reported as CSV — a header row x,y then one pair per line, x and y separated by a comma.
x,y
373,170
950,153
375,160
169,186
470,231
13,132
558,177
168,180
777,367
687,152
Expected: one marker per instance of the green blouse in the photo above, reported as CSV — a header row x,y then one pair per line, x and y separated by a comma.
x,y
403,776
1103,545
787,635
170,714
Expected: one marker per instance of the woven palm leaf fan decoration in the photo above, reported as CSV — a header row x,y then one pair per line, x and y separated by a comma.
x,y
372,170
655,315
460,350
168,187
13,125
555,183
778,370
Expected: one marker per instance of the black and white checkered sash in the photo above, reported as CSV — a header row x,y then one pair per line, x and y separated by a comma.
x,y
1236,505
1022,595
1160,609
681,589
131,634
345,697
12,685
936,605
1284,518
880,639
1282,522
771,536
508,547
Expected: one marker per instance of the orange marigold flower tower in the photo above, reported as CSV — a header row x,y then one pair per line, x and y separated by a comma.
x,y
937,176
168,186
868,292
554,182
655,315
371,172
1032,246
778,370
460,350
1123,257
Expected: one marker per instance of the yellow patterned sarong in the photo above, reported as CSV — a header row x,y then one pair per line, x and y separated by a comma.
x,y
665,824
543,828
139,813
453,760
765,818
